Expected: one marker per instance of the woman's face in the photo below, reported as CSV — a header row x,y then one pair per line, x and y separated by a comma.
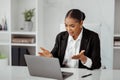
x,y
73,26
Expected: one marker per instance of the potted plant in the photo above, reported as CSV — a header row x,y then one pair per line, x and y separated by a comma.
x,y
28,15
3,60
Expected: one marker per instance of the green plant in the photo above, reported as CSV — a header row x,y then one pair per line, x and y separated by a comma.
x,y
28,14
2,56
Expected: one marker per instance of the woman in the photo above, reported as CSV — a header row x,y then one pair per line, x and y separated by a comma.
x,y
76,47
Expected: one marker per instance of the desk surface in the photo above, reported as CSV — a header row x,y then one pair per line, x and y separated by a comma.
x,y
21,73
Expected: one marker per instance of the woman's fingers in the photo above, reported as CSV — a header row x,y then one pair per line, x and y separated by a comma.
x,y
81,52
75,57
39,53
79,55
45,52
43,49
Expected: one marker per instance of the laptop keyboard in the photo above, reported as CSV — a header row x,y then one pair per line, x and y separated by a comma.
x,y
66,74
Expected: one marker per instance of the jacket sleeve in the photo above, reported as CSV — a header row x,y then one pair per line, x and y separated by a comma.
x,y
96,57
56,47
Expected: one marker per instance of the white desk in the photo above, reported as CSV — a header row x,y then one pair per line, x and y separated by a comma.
x,y
21,73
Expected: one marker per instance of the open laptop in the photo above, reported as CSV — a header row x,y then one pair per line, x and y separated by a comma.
x,y
45,67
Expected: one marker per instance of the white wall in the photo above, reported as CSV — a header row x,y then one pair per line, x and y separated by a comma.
x,y
19,6
40,24
97,11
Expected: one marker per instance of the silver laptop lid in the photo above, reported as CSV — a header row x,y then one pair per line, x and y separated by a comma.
x,y
44,67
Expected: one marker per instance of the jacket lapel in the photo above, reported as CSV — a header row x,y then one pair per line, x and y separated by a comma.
x,y
84,40
63,45
84,43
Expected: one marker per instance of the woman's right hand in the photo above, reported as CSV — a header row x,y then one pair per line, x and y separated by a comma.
x,y
45,53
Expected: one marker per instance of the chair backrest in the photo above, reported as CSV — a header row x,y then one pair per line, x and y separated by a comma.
x,y
94,27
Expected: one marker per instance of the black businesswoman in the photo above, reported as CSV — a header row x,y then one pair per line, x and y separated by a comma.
x,y
76,47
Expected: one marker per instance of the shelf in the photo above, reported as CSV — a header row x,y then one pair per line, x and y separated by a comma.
x,y
13,13
117,35
116,47
20,44
23,33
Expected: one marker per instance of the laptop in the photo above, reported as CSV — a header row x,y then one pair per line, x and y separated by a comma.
x,y
45,67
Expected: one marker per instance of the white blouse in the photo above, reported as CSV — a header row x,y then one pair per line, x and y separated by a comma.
x,y
73,47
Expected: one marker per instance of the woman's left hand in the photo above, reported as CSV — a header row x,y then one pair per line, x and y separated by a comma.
x,y
80,56
45,53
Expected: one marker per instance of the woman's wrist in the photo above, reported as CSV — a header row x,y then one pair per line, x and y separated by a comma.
x,y
83,59
51,55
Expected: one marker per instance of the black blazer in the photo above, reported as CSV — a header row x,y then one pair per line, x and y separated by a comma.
x,y
90,43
